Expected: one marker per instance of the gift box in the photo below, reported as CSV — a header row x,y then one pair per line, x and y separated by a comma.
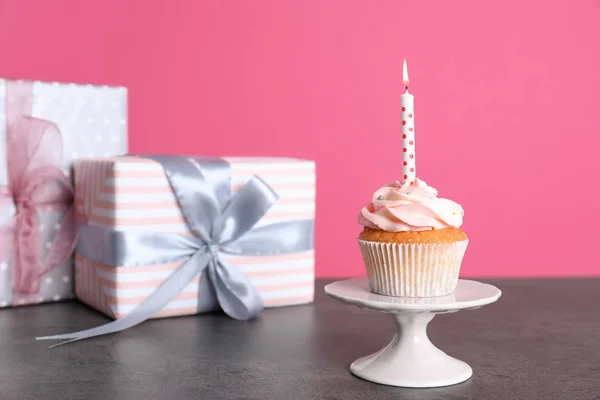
x,y
43,128
250,218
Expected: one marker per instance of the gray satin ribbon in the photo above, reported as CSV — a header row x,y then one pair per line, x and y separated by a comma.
x,y
220,222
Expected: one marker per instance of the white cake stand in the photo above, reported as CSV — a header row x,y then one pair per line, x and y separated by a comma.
x,y
411,360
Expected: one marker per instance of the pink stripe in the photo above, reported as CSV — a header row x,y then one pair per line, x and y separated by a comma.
x,y
249,172
132,160
111,205
167,189
86,284
90,186
115,284
288,301
92,286
134,190
285,272
97,289
120,173
88,287
276,287
84,188
136,270
309,199
106,168
89,290
138,299
104,304
265,288
280,186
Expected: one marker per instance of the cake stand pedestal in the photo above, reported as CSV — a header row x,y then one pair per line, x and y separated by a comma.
x,y
411,360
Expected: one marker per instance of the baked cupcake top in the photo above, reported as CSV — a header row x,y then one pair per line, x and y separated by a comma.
x,y
400,207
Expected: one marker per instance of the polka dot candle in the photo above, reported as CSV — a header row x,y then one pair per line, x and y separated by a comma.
x,y
407,104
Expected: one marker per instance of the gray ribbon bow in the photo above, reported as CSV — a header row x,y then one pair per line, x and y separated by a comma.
x,y
220,222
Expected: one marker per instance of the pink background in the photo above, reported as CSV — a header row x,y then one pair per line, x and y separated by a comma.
x,y
507,104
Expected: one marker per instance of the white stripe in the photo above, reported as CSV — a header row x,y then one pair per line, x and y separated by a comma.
x,y
268,163
136,182
151,213
136,197
137,166
264,222
282,294
274,180
270,266
145,228
296,193
280,280
237,164
158,197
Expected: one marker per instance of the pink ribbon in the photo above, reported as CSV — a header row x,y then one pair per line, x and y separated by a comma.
x,y
35,181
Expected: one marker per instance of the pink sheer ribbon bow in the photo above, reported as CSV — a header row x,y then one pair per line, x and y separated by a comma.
x,y
35,182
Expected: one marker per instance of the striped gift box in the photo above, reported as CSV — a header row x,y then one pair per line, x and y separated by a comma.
x,y
132,193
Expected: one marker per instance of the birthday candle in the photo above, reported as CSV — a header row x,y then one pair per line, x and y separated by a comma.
x,y
407,104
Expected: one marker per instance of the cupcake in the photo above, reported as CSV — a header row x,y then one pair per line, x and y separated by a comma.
x,y
412,244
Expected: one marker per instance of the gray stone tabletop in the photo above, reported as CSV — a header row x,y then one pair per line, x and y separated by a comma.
x,y
541,340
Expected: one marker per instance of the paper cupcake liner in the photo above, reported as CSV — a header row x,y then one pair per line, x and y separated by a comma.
x,y
413,270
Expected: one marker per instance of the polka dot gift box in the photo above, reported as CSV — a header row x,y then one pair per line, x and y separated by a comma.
x,y
43,128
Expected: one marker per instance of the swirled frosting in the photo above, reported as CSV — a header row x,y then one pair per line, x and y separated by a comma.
x,y
404,207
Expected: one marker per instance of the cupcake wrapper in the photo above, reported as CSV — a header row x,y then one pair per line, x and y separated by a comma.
x,y
413,270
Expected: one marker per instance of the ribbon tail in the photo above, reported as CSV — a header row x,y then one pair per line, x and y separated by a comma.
x,y
153,304
236,294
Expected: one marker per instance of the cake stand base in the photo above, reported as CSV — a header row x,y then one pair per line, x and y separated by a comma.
x,y
411,360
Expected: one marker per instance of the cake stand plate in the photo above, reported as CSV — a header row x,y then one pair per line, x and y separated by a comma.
x,y
411,360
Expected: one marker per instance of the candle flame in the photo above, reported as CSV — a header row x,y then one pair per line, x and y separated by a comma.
x,y
405,73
